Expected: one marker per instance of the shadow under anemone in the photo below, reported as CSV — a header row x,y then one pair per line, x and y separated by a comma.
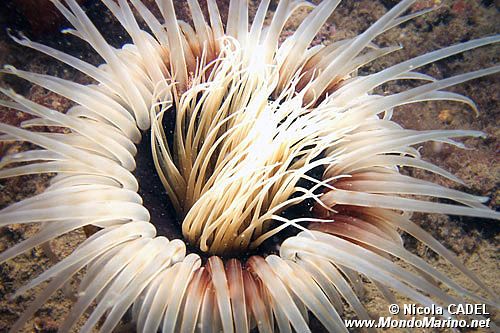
x,y
240,123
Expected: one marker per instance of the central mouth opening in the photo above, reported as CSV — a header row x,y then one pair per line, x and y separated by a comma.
x,y
169,223
241,167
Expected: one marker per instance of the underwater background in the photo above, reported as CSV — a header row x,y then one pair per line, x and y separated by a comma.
x,y
475,241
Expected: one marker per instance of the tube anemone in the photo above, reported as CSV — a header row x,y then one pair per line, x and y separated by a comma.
x,y
242,127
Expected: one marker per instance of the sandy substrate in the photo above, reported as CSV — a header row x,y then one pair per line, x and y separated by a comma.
x,y
475,241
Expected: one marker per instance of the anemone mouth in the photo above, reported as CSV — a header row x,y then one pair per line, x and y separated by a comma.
x,y
230,166
238,123
169,223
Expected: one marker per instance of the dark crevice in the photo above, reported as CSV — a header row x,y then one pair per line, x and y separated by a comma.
x,y
153,193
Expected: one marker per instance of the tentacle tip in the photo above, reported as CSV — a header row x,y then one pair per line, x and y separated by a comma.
x,y
12,297
8,69
483,135
8,92
22,39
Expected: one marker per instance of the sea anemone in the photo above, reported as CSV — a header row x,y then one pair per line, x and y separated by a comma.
x,y
255,140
